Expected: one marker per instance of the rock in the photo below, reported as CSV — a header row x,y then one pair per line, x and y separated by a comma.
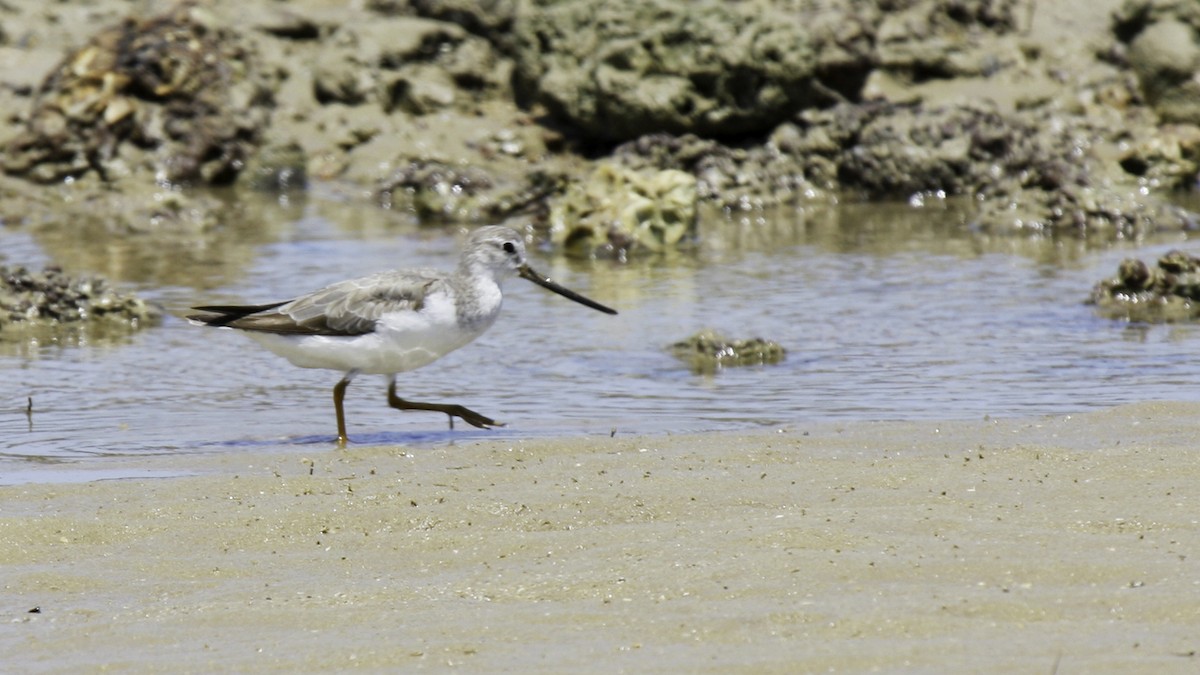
x,y
277,167
1168,292
735,178
708,351
1163,38
1034,171
492,19
51,298
1029,171
621,69
1092,210
902,150
176,97
1168,159
944,40
616,211
407,63
436,191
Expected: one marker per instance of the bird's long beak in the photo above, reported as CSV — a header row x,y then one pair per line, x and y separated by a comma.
x,y
526,272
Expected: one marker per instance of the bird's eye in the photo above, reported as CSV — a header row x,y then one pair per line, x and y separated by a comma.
x,y
509,247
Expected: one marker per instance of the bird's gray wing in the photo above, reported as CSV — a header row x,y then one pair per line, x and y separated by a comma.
x,y
345,308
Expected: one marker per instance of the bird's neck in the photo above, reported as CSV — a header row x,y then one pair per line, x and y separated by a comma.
x,y
478,297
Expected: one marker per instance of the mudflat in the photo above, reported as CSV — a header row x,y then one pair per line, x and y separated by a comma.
x,y
1065,544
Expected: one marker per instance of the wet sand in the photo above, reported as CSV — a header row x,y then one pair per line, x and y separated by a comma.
x,y
1063,544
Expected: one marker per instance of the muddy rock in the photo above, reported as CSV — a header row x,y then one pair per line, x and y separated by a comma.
x,y
101,211
1168,158
616,211
900,150
1031,171
893,151
1035,171
277,167
407,63
419,111
437,191
1163,42
708,351
51,297
619,70
746,177
1167,292
492,19
1098,212
463,168
943,40
176,97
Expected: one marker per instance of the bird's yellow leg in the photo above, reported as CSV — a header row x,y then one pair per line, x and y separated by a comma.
x,y
469,416
339,393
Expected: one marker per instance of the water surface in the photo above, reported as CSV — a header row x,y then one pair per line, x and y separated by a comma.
x,y
887,312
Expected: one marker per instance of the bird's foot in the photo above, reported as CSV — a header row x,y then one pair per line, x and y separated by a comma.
x,y
471,417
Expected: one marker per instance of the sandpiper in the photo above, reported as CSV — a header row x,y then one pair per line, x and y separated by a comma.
x,y
392,322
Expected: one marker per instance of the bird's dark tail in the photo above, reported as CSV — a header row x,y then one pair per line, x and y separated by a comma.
x,y
223,315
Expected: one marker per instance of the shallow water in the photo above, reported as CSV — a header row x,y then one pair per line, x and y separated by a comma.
x,y
887,312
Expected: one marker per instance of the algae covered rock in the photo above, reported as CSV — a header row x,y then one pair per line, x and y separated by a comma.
x,y
1167,292
740,178
708,351
176,97
616,210
51,297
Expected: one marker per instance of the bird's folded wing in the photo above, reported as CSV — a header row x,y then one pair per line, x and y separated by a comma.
x,y
346,308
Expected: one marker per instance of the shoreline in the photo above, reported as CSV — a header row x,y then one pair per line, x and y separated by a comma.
x,y
973,546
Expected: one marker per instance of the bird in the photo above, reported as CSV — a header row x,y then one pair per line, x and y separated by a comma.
x,y
392,322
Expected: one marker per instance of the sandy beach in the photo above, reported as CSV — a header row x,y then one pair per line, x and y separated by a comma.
x,y
1044,545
